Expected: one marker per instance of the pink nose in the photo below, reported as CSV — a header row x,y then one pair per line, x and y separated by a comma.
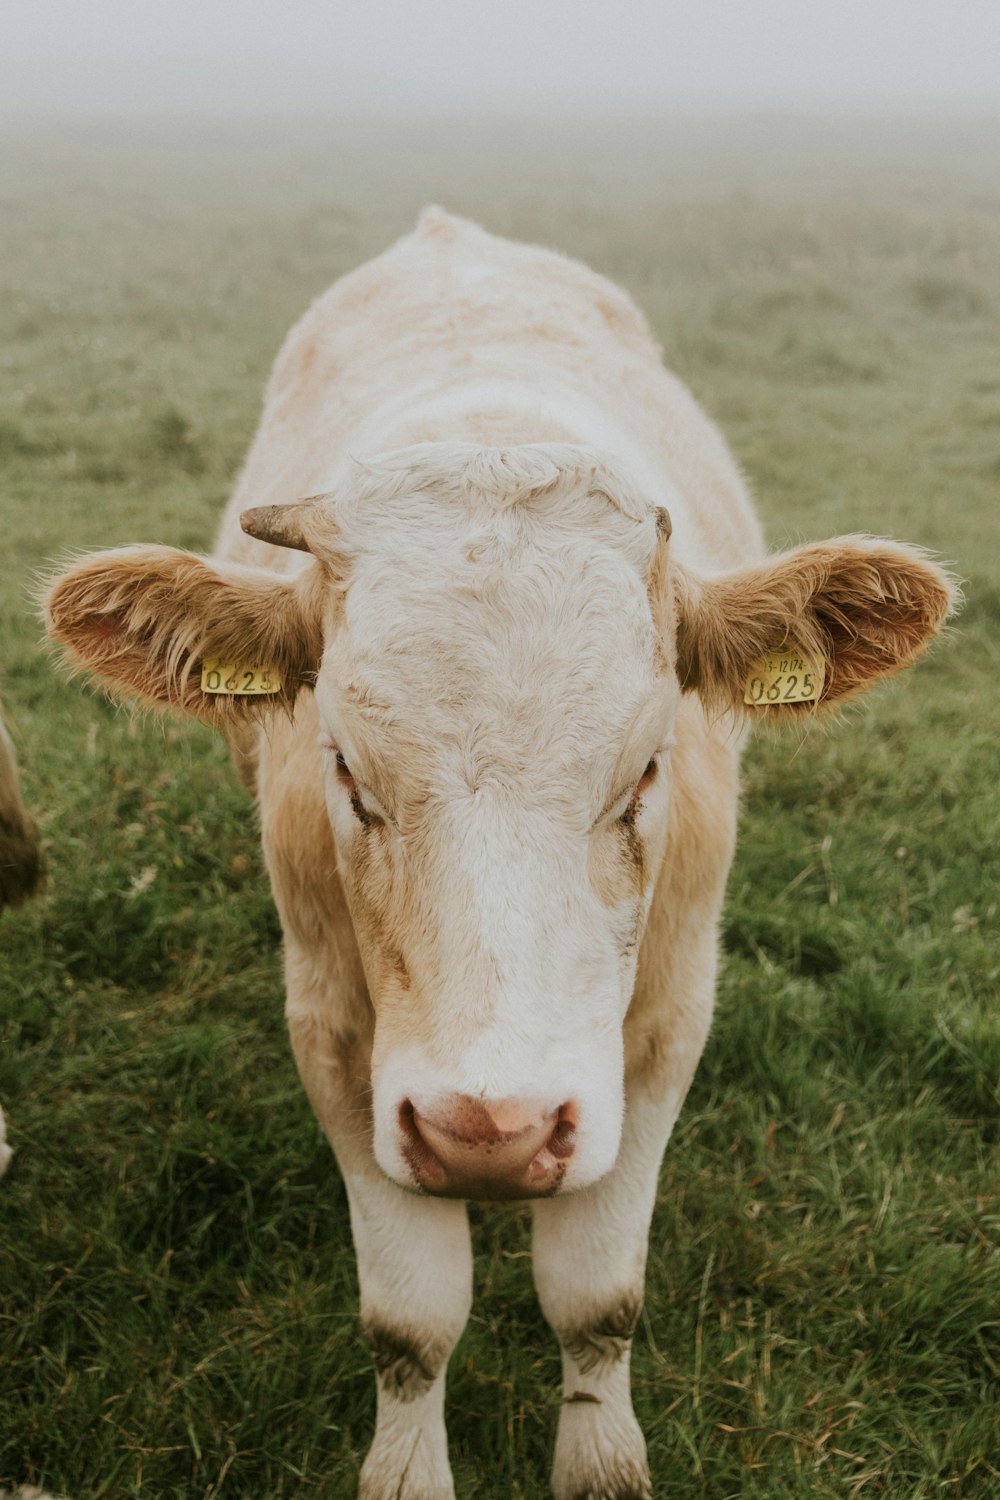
x,y
461,1147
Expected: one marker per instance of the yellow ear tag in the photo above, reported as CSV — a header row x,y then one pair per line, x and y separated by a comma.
x,y
785,676
238,679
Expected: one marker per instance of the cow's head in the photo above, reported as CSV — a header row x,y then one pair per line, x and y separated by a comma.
x,y
498,641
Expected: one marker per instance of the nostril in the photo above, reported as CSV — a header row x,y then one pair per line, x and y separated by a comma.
x,y
471,1147
562,1141
428,1170
406,1115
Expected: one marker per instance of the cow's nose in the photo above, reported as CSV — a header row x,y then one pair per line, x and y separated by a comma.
x,y
460,1147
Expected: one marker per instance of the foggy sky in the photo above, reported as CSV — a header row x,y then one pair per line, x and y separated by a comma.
x,y
282,57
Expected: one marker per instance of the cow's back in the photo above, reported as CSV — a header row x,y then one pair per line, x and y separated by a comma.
x,y
454,333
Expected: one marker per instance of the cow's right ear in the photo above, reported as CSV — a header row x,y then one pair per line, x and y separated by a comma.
x,y
146,619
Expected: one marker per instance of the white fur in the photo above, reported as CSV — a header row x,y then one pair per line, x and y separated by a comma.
x,y
498,832
496,432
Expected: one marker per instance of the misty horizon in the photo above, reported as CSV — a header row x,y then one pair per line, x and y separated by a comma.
x,y
546,59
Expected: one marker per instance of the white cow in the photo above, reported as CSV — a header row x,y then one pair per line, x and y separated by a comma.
x,y
495,674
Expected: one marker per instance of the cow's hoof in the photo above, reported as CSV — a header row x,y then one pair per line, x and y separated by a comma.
x,y
600,1455
407,1469
404,1487
630,1483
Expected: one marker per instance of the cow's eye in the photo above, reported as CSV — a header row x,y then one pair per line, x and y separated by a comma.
x,y
364,814
647,778
624,809
645,781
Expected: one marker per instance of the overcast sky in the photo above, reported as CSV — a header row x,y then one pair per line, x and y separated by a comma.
x,y
224,57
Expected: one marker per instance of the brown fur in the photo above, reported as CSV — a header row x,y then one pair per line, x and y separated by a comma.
x,y
20,861
20,857
605,1338
144,618
616,868
406,1363
866,606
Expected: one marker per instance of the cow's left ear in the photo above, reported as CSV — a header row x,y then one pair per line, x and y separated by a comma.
x,y
147,620
860,607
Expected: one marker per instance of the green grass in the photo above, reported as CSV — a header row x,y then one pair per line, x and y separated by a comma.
x,y
177,1288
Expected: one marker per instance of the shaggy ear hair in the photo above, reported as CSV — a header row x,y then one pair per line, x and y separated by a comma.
x,y
145,618
866,607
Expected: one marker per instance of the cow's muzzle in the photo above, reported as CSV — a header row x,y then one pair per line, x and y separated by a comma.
x,y
490,1150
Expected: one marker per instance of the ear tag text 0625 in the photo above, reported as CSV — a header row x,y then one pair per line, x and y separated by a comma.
x,y
788,675
238,679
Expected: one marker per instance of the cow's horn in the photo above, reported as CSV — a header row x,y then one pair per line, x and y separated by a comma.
x,y
283,525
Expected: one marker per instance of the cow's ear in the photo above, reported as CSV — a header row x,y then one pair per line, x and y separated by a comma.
x,y
858,607
147,619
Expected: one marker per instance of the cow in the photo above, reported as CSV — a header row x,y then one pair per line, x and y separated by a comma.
x,y
20,863
20,860
488,681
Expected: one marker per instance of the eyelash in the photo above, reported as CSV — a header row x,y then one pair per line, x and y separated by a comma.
x,y
647,778
645,781
365,818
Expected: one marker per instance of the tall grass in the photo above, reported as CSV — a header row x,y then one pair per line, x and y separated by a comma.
x,y
177,1289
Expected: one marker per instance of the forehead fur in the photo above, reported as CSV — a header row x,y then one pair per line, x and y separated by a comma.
x,y
495,604
499,478
489,501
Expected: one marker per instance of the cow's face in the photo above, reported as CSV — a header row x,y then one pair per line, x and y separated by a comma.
x,y
498,641
496,707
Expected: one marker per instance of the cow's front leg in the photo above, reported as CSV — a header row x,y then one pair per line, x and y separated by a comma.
x,y
413,1254
415,1272
589,1257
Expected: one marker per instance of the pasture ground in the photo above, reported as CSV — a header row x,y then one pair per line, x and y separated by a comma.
x,y
177,1287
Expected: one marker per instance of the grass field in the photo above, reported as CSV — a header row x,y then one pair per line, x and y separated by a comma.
x,y
177,1288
